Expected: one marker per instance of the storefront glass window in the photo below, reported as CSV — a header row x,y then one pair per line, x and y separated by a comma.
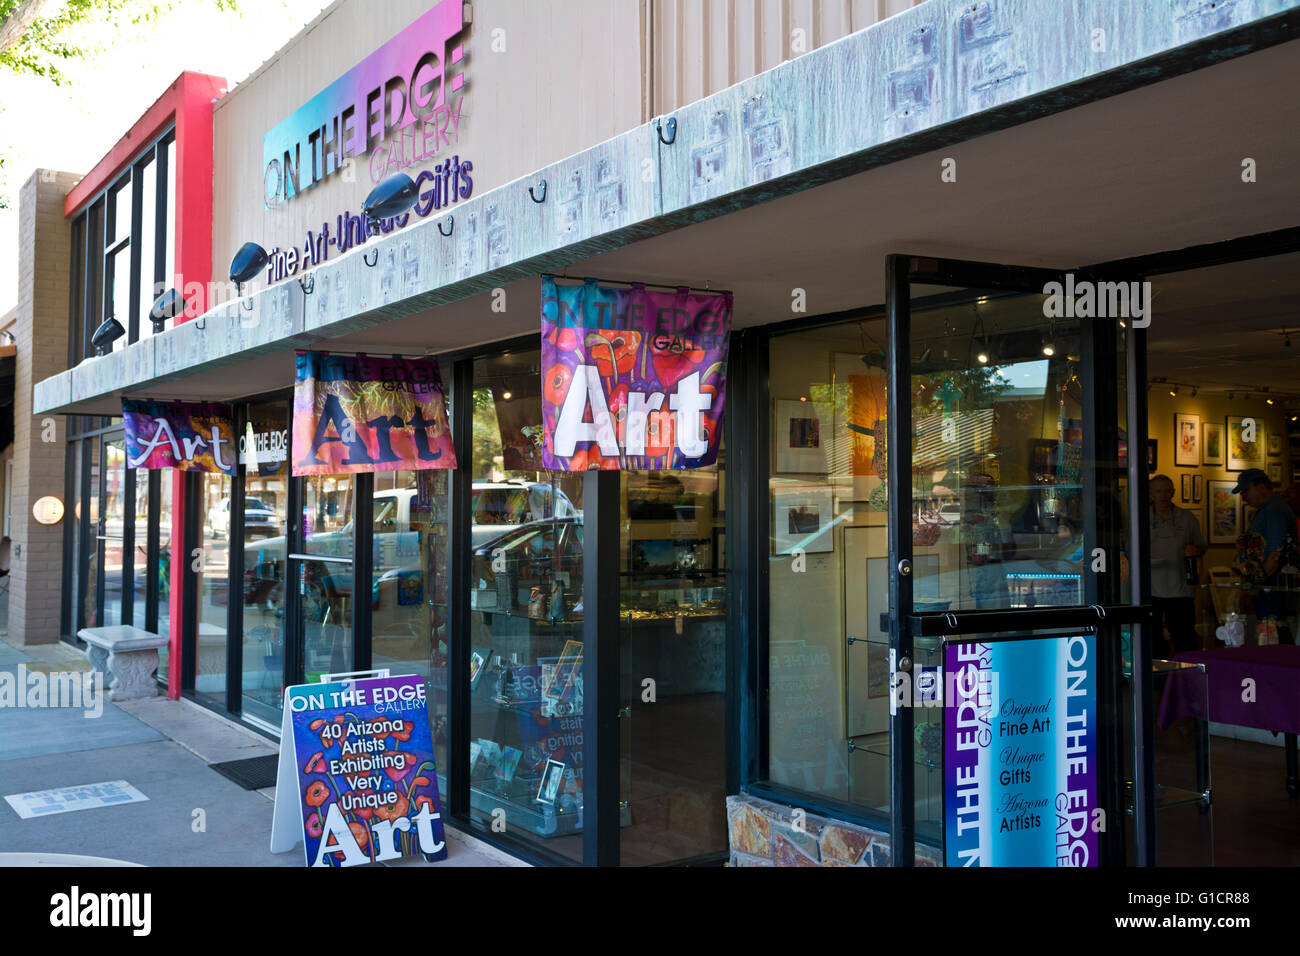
x,y
266,521
148,176
827,649
996,469
325,576
673,605
526,750
214,588
90,601
163,570
74,539
140,550
408,593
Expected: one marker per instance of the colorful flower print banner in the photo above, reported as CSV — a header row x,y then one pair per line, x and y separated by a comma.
x,y
632,379
360,413
365,769
184,435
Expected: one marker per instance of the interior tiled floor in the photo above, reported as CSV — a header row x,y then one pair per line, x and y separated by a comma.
x,y
1253,822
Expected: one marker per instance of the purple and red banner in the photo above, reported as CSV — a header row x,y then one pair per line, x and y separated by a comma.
x,y
365,413
186,435
632,379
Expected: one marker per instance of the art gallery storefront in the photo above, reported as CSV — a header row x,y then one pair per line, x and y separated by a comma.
x,y
923,466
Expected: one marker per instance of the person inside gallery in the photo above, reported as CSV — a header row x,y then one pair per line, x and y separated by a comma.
x,y
1175,537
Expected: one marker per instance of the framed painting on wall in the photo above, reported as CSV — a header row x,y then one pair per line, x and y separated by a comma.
x,y
1153,454
1187,440
1274,445
1244,454
1223,518
1275,472
802,520
1187,487
1198,488
799,438
1211,443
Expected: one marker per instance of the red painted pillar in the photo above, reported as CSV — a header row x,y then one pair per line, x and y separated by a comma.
x,y
193,258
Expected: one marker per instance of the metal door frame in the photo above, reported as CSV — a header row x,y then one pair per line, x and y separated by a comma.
x,y
1104,617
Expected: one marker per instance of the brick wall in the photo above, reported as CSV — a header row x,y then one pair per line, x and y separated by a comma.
x,y
44,260
763,833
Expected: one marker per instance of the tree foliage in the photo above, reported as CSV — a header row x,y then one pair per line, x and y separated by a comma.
x,y
37,36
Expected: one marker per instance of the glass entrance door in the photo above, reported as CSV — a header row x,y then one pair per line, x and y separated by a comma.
x,y
1005,483
263,448
325,585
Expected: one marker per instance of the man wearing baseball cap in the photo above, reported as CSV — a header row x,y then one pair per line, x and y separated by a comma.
x,y
1276,524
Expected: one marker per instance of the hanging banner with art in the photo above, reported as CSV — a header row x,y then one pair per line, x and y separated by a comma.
x,y
366,413
632,379
191,436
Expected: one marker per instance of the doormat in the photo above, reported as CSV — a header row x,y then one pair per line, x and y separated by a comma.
x,y
255,773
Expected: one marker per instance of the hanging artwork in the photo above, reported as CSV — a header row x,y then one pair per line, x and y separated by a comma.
x,y
633,379
1187,440
1211,443
1245,443
364,413
185,435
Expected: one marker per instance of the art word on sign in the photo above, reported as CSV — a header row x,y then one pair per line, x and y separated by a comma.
x,y
185,435
357,781
1020,760
632,379
362,413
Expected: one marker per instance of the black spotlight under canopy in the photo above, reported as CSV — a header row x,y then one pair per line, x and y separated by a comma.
x,y
392,197
248,262
168,305
108,333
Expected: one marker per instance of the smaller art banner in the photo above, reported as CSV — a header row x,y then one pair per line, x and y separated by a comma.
x,y
186,435
357,781
1020,753
365,413
632,379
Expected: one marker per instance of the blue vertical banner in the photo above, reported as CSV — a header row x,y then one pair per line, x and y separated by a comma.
x,y
1020,749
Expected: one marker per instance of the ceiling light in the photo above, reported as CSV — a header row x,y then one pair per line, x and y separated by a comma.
x,y
1269,401
248,262
167,306
394,196
109,332
1048,350
1173,392
983,358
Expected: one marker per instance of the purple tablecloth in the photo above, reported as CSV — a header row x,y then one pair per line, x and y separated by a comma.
x,y
1275,669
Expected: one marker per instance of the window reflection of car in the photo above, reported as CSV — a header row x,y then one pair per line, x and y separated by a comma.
x,y
260,520
534,570
499,507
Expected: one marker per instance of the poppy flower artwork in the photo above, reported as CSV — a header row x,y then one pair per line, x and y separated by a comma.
x,y
641,382
367,765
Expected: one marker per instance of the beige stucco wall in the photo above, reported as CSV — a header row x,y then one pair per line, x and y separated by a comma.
x,y
569,77
544,79
703,46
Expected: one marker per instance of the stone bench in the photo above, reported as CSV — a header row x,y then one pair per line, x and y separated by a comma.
x,y
129,655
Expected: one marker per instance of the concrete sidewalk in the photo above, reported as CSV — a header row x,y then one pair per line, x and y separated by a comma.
x,y
193,815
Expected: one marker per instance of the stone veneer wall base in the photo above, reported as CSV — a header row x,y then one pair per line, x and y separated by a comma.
x,y
763,833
